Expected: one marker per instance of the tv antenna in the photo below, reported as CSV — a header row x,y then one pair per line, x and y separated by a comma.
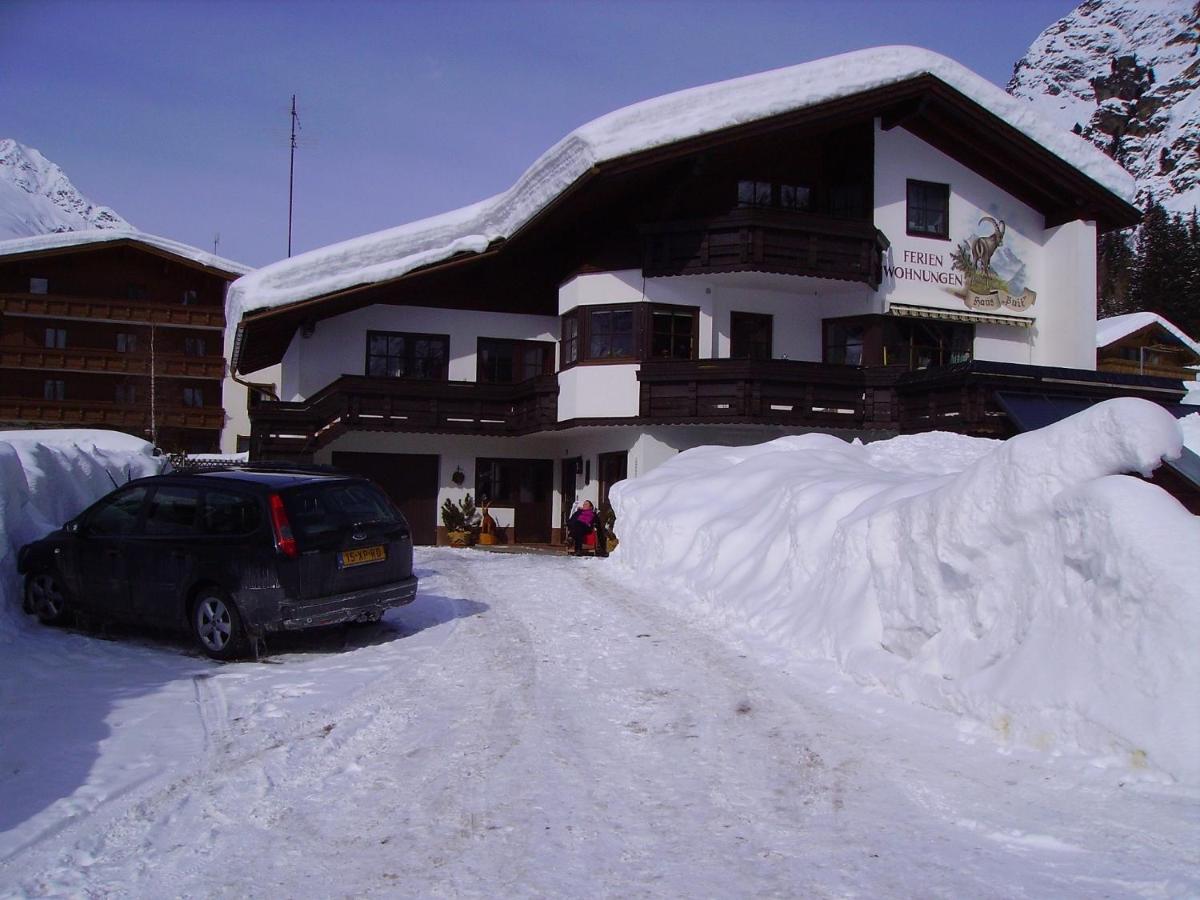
x,y
216,240
292,171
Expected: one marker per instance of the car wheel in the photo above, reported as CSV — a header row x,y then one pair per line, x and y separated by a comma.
x,y
217,626
46,597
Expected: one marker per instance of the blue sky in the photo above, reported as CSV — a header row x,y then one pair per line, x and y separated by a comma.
x,y
176,113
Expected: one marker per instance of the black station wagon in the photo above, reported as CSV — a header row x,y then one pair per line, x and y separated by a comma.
x,y
229,555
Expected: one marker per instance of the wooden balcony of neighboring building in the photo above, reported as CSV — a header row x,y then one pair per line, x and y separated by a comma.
x,y
142,312
133,418
91,359
766,240
363,403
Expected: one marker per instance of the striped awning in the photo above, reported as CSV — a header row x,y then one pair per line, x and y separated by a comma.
x,y
956,315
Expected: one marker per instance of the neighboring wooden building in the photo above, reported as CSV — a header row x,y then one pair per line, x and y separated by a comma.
x,y
869,245
1143,343
114,329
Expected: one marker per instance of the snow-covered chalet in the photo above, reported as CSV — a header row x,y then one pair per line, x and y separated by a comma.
x,y
870,244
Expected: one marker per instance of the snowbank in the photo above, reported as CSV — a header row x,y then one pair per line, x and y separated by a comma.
x,y
46,477
652,123
1025,585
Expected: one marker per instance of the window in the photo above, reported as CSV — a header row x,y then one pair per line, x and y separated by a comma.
x,y
173,511
229,514
39,285
844,343
502,361
126,394
672,333
189,297
402,355
754,193
766,193
921,344
193,396
135,291
117,514
632,332
56,338
570,339
126,343
194,346
928,209
54,389
750,336
610,333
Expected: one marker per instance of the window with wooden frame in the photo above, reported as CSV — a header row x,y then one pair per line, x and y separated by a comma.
x,y
399,354
506,361
928,209
845,340
749,335
56,338
629,333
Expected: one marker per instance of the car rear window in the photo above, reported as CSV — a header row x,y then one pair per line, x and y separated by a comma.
x,y
326,508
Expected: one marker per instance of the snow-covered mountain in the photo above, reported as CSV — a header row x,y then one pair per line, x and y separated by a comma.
x,y
1124,74
36,197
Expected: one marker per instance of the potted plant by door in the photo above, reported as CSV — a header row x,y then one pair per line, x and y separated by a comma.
x,y
487,527
456,517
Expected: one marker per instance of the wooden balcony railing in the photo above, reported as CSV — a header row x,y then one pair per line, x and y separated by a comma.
x,y
144,312
100,413
766,240
91,359
362,403
768,392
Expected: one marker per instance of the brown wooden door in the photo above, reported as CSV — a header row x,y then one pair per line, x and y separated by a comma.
x,y
612,467
526,485
410,479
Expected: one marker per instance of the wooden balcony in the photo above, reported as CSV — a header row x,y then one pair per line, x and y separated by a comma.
x,y
962,398
142,312
362,403
104,414
766,240
768,392
90,359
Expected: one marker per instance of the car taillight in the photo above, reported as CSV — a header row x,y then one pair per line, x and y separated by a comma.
x,y
285,541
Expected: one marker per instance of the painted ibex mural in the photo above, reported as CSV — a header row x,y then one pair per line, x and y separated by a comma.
x,y
985,246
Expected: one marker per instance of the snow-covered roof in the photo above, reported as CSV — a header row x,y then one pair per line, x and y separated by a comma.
x,y
1114,328
65,239
394,252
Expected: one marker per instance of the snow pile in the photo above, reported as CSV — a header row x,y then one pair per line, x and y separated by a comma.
x,y
46,477
1024,585
652,123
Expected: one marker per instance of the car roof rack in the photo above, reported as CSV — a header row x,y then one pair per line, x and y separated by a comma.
x,y
282,467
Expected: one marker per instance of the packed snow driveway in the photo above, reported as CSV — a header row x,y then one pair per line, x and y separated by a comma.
x,y
535,726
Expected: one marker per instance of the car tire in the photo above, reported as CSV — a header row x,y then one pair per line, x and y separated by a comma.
x,y
217,625
46,597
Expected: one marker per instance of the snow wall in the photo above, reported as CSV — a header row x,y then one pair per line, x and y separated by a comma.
x,y
46,478
1024,585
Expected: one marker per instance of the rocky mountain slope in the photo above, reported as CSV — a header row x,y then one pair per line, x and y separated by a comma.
x,y
36,197
1125,74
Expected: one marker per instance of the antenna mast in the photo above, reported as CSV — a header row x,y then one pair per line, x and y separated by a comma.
x,y
292,172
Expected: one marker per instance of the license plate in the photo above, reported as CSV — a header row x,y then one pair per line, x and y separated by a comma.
x,y
350,558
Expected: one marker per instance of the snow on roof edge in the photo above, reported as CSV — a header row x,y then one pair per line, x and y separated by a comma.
x,y
1116,327
393,252
64,239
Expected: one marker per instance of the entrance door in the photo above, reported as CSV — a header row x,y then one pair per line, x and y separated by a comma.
x,y
525,485
613,468
410,479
